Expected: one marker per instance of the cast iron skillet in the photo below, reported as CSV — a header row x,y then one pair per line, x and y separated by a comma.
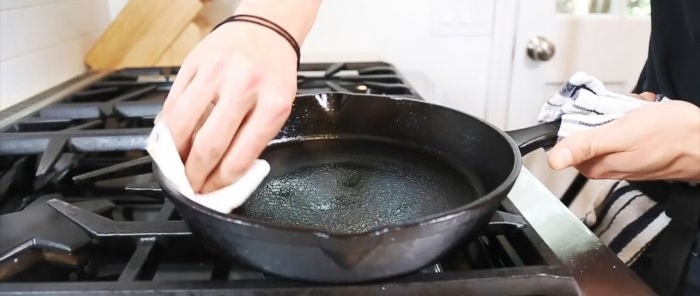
x,y
365,187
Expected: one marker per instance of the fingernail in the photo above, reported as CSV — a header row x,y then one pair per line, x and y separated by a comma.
x,y
560,158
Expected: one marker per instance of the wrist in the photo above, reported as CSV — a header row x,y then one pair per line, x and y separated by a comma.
x,y
270,25
691,119
294,16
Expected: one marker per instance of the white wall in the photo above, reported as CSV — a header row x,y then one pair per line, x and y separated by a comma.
x,y
43,42
443,46
115,6
447,41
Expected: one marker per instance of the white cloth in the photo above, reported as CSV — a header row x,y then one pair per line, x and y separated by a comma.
x,y
624,218
584,102
162,149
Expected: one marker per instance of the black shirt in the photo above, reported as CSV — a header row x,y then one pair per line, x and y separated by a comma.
x,y
673,69
673,64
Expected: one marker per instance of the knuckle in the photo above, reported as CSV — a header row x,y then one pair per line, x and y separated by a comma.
x,y
245,75
279,107
208,153
180,141
211,184
219,65
231,170
282,110
213,67
242,64
590,150
252,78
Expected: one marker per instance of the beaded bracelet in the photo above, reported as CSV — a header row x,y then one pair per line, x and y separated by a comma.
x,y
267,24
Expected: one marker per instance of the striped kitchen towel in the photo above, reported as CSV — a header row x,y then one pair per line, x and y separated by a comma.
x,y
624,218
584,102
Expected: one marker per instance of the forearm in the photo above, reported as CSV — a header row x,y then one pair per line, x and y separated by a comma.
x,y
295,16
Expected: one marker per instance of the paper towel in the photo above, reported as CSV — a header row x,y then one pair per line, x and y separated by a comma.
x,y
162,150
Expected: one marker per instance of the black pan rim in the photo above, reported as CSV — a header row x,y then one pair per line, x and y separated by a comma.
x,y
376,231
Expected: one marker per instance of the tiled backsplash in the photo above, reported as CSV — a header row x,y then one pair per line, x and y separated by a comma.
x,y
43,43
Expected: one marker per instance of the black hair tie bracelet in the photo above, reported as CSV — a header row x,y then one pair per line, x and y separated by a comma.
x,y
267,24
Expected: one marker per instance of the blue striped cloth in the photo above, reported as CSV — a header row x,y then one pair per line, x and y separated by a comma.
x,y
626,220
584,102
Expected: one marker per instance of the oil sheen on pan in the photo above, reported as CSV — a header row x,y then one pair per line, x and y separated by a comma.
x,y
355,185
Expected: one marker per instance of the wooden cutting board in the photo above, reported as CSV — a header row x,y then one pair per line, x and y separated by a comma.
x,y
141,33
193,33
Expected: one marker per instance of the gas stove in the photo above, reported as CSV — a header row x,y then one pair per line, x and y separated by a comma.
x,y
81,213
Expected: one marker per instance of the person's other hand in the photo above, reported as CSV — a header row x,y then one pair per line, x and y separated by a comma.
x,y
660,141
231,96
647,96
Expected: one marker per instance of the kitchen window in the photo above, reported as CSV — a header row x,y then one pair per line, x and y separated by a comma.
x,y
638,8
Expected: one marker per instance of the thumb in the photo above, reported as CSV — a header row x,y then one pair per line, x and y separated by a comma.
x,y
581,147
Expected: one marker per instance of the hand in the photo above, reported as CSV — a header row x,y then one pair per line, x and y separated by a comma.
x,y
660,141
234,92
647,96
231,96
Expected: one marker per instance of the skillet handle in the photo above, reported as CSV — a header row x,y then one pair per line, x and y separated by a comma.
x,y
539,136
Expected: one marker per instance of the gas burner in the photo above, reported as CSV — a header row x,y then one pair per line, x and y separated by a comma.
x,y
11,178
485,264
39,232
81,212
25,261
56,145
360,78
100,227
96,109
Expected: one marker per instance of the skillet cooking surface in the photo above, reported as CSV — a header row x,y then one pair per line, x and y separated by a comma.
x,y
354,185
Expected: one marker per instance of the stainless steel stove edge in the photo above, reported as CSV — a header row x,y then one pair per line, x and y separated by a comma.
x,y
27,107
596,269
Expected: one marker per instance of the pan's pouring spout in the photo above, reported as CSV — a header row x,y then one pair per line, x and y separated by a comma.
x,y
348,253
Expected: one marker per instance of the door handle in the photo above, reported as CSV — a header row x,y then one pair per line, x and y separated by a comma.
x,y
540,49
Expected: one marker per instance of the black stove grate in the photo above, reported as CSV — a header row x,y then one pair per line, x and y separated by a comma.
x,y
146,246
80,211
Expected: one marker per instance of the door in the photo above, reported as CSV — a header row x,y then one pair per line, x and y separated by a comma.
x,y
605,38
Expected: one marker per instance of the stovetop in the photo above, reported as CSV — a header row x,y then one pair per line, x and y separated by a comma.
x,y
81,213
